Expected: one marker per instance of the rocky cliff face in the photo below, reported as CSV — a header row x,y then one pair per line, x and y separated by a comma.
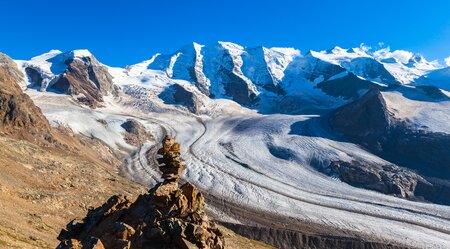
x,y
86,79
168,216
19,116
348,87
9,72
366,116
367,121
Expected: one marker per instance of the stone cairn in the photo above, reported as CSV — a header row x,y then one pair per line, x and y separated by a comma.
x,y
170,162
167,217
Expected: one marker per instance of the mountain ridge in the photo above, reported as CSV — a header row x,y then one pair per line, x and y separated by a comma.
x,y
263,70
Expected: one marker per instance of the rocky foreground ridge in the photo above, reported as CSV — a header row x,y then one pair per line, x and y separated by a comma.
x,y
168,216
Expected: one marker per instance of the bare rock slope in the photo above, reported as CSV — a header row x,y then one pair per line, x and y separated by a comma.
x,y
19,116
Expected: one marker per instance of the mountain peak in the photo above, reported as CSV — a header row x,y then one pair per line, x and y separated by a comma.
x,y
230,45
45,56
197,45
80,53
417,58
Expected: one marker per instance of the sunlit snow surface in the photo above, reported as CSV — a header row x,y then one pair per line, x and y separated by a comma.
x,y
264,163
424,115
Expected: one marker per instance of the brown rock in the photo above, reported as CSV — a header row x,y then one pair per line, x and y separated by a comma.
x,y
70,244
86,76
195,198
123,231
167,217
19,117
9,71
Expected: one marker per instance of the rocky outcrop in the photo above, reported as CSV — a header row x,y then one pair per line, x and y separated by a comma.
x,y
238,89
388,179
364,117
312,69
179,95
34,76
135,132
184,96
86,79
367,121
169,216
348,87
9,70
19,117
433,93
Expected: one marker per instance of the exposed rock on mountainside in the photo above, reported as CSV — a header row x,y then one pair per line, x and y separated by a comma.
x,y
135,132
19,116
315,69
238,89
34,76
348,86
215,70
168,216
368,122
9,70
86,79
433,92
387,179
364,117
177,94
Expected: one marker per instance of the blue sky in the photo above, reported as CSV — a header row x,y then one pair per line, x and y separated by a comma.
x,y
126,32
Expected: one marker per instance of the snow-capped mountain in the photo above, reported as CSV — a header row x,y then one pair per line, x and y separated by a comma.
x,y
439,78
363,120
250,76
77,73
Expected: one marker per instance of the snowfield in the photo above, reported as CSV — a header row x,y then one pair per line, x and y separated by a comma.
x,y
425,115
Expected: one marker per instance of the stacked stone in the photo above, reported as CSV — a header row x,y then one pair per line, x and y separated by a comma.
x,y
169,216
171,164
